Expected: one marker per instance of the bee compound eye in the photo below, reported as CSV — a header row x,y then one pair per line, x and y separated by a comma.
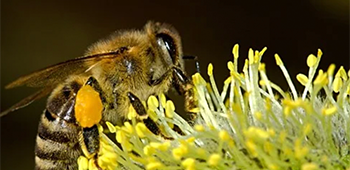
x,y
166,41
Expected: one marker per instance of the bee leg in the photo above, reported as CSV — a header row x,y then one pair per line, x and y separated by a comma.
x,y
160,79
142,113
90,144
184,86
137,104
94,84
89,136
195,58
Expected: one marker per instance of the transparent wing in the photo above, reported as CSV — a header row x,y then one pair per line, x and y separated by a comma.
x,y
52,75
28,100
49,77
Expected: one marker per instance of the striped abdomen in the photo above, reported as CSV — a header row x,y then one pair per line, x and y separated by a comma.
x,y
57,142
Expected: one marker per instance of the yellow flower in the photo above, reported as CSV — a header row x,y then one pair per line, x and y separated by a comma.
x,y
251,124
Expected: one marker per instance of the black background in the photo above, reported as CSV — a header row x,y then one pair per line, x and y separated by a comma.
x,y
37,34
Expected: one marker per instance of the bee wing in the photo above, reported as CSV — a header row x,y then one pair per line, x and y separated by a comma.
x,y
28,100
52,75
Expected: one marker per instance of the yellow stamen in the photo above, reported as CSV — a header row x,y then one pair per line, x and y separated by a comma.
x,y
189,163
224,136
311,60
169,109
302,79
214,159
278,60
210,69
235,51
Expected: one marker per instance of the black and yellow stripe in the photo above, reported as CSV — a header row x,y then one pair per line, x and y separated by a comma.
x,y
56,147
57,141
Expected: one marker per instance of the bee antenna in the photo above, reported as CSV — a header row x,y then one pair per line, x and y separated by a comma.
x,y
195,58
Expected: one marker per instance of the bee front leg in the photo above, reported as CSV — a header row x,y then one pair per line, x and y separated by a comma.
x,y
142,113
88,113
195,58
185,87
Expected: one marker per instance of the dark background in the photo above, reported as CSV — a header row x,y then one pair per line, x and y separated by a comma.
x,y
37,34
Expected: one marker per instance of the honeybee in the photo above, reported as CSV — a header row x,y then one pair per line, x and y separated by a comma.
x,y
116,72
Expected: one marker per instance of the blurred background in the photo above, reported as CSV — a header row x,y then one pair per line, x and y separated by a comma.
x,y
36,34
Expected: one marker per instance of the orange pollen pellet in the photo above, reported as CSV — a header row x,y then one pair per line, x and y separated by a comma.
x,y
88,107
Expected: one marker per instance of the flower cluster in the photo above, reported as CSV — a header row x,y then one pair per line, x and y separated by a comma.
x,y
251,124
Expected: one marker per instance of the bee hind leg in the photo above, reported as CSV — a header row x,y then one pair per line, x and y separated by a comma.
x,y
89,137
96,86
90,143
